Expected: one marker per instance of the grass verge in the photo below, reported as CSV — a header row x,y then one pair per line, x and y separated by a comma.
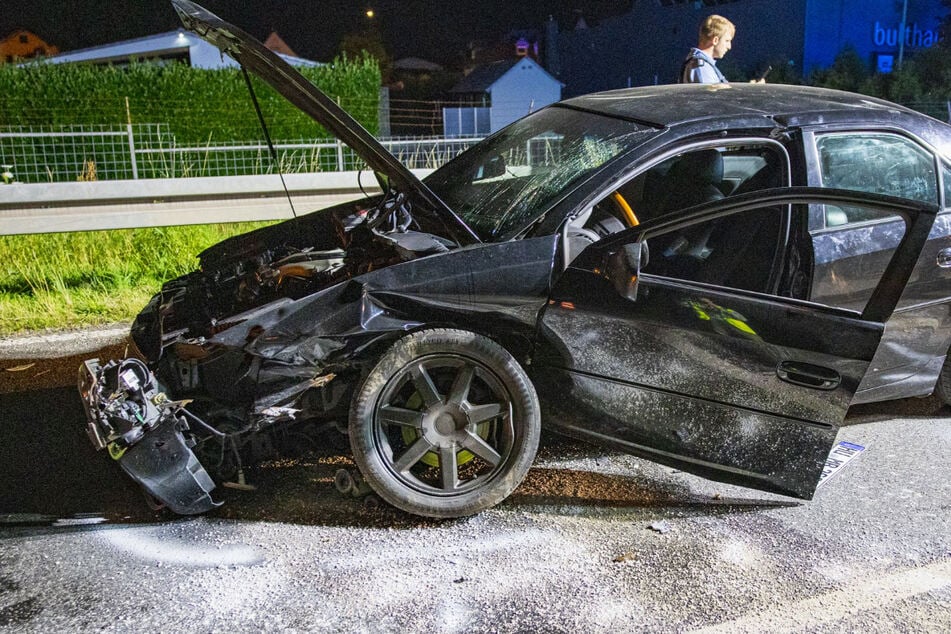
x,y
74,280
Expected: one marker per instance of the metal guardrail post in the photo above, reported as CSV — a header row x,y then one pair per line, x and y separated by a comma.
x,y
128,129
135,166
340,165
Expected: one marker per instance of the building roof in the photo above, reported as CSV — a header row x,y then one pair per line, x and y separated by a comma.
x,y
483,77
277,44
417,64
161,45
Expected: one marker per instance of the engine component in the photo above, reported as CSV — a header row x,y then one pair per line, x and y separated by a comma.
x,y
121,401
147,434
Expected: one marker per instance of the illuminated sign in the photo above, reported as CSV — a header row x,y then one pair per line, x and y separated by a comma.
x,y
913,36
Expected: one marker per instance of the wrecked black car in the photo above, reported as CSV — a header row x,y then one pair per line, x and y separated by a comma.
x,y
703,276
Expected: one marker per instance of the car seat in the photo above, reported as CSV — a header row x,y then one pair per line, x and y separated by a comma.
x,y
694,179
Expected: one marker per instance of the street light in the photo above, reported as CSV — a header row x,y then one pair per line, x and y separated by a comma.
x,y
901,33
370,13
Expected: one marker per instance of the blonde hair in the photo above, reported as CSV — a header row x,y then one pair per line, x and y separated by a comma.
x,y
715,26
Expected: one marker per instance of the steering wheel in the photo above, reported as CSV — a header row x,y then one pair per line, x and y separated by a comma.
x,y
587,234
629,214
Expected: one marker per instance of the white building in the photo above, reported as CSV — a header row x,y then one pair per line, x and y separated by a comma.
x,y
163,48
498,94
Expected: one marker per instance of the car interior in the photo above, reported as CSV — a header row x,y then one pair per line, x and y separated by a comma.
x,y
679,182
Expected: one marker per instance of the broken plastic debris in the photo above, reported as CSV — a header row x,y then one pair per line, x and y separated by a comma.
x,y
20,368
661,527
321,381
842,453
280,412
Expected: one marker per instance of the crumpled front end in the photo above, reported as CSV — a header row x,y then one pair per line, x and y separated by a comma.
x,y
270,338
209,335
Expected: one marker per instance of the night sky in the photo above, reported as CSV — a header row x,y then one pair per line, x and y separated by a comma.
x,y
433,29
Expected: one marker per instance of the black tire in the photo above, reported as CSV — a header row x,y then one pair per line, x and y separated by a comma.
x,y
446,424
943,387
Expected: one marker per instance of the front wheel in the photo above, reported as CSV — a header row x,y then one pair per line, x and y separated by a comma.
x,y
446,424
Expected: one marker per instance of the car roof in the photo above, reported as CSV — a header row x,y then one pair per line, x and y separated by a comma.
x,y
672,104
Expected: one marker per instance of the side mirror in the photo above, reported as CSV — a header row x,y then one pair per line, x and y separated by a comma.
x,y
623,267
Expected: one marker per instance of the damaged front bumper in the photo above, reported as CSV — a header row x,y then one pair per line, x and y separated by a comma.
x,y
148,435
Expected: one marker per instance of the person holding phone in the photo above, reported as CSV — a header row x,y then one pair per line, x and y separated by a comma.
x,y
714,41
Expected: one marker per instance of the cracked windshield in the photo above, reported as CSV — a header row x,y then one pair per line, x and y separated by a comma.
x,y
498,187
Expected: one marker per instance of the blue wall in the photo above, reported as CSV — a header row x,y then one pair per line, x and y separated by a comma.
x,y
871,27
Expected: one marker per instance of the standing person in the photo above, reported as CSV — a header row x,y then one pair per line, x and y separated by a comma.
x,y
715,39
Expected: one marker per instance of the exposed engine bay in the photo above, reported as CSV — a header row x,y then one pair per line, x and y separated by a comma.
x,y
257,270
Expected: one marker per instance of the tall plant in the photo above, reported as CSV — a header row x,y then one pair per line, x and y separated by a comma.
x,y
197,104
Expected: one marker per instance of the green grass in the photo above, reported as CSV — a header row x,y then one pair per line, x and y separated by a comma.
x,y
74,280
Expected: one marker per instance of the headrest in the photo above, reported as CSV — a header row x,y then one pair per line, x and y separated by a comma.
x,y
705,166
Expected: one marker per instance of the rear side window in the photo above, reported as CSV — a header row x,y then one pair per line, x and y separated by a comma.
x,y
878,163
946,175
849,261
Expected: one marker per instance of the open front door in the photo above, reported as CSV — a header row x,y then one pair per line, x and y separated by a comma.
x,y
710,362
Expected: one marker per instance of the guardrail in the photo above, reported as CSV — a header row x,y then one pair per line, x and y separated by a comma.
x,y
94,205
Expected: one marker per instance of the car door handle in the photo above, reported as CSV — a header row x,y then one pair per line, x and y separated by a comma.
x,y
808,375
944,258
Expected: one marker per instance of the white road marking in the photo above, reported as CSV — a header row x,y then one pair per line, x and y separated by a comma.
x,y
831,607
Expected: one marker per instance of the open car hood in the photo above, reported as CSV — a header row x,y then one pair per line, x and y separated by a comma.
x,y
286,80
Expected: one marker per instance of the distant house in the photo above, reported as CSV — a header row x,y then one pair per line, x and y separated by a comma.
x,y
165,47
277,44
494,95
22,44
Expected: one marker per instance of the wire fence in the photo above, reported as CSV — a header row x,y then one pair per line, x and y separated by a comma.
x,y
49,154
64,153
940,110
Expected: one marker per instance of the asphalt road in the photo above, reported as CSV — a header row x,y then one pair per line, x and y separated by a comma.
x,y
591,542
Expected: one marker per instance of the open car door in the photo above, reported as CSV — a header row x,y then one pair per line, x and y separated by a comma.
x,y
689,340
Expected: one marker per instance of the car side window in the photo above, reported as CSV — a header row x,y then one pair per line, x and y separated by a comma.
x,y
849,260
734,251
946,176
684,180
875,162
758,250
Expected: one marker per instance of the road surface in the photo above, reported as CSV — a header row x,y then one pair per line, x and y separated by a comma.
x,y
593,541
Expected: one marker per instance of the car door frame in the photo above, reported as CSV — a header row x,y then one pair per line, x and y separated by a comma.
x,y
557,376
910,364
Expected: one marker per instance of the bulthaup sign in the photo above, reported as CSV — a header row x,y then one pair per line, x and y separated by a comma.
x,y
914,36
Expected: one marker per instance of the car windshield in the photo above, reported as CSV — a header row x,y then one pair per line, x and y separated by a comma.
x,y
500,185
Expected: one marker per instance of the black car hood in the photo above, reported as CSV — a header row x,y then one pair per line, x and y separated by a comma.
x,y
286,80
